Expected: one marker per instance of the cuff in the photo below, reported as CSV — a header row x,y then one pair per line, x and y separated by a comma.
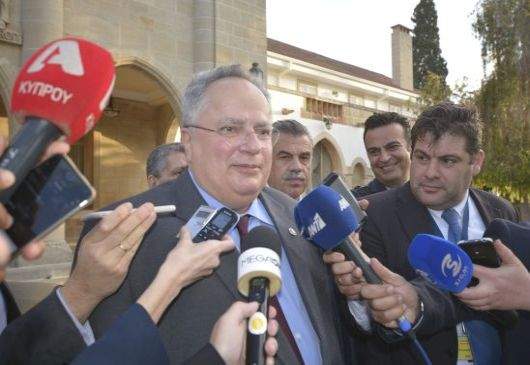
x,y
84,329
359,311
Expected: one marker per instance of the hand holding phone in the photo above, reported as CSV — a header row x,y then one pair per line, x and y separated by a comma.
x,y
482,252
34,249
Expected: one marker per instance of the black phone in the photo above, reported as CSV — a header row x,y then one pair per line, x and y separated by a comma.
x,y
482,252
334,181
50,193
216,226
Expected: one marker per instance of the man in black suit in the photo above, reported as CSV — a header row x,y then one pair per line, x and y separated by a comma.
x,y
438,200
387,142
227,136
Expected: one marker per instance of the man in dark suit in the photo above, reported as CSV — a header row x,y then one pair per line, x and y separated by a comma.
x,y
387,142
438,200
227,136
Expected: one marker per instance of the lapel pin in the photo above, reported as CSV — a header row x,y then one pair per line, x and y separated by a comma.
x,y
292,231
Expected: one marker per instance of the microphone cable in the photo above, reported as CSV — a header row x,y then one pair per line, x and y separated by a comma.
x,y
406,328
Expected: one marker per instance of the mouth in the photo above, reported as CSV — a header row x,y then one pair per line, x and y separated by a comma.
x,y
430,189
247,167
295,182
387,168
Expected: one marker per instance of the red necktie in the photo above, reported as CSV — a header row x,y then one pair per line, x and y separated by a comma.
x,y
242,228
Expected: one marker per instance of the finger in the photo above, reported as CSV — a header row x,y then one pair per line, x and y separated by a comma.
x,y
347,279
506,255
343,268
109,222
128,225
272,312
6,179
331,257
271,348
272,327
351,291
5,252
138,234
478,302
474,293
33,250
374,291
388,316
240,311
6,220
56,148
134,238
363,203
386,303
386,275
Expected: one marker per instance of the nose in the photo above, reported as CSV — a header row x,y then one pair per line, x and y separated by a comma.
x,y
432,170
251,143
296,165
384,156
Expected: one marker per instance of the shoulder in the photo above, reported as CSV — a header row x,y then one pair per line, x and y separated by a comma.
x,y
158,195
279,197
496,202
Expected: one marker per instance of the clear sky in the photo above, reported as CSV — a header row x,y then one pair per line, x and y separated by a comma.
x,y
358,32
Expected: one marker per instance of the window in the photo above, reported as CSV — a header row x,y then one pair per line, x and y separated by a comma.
x,y
307,87
318,109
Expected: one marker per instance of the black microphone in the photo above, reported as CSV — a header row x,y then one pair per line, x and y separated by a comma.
x,y
258,278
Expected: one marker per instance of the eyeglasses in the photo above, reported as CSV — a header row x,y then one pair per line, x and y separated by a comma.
x,y
237,133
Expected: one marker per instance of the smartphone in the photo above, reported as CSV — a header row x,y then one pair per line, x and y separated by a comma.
x,y
50,193
482,252
222,221
334,181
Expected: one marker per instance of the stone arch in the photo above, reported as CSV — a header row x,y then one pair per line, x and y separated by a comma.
x,y
325,147
359,169
168,133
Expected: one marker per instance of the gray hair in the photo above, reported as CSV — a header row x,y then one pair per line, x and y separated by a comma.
x,y
156,162
193,99
290,126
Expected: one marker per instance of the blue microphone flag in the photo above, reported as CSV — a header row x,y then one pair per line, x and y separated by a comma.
x,y
325,217
443,262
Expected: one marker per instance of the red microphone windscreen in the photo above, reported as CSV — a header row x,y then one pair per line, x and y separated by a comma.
x,y
67,82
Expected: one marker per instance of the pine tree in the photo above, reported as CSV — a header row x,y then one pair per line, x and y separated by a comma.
x,y
426,53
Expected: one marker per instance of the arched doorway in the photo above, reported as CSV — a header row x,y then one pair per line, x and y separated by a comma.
x,y
358,175
143,112
141,115
325,160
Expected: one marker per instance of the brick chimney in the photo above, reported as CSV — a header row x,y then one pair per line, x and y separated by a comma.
x,y
402,56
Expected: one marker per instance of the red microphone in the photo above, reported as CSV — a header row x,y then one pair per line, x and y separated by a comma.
x,y
61,90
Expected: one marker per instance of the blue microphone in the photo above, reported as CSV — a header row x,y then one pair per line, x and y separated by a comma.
x,y
442,262
326,219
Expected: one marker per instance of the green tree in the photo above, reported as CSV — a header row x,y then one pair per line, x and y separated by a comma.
x,y
503,26
426,53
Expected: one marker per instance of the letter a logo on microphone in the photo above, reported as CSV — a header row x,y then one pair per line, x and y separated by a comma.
x,y
64,53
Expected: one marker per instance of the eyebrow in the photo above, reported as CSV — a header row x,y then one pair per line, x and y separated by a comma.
x,y
240,122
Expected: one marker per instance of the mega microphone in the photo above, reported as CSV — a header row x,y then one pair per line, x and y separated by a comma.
x,y
62,89
442,262
258,278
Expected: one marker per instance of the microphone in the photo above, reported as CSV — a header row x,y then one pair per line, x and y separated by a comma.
x,y
61,90
258,278
326,219
442,262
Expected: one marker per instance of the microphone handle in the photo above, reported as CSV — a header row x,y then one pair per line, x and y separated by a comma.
x,y
352,253
25,150
258,292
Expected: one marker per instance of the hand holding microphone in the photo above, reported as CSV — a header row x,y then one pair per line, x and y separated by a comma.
x,y
259,277
61,90
327,220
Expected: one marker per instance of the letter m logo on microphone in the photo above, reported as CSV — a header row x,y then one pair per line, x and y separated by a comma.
x,y
317,225
64,53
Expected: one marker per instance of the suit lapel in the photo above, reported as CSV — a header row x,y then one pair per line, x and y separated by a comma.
x,y
188,199
485,209
297,249
413,216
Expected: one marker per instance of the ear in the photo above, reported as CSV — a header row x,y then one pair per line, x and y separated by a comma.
x,y
151,181
185,139
478,160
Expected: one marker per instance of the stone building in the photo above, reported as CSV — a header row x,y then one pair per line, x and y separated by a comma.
x,y
157,46
333,99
